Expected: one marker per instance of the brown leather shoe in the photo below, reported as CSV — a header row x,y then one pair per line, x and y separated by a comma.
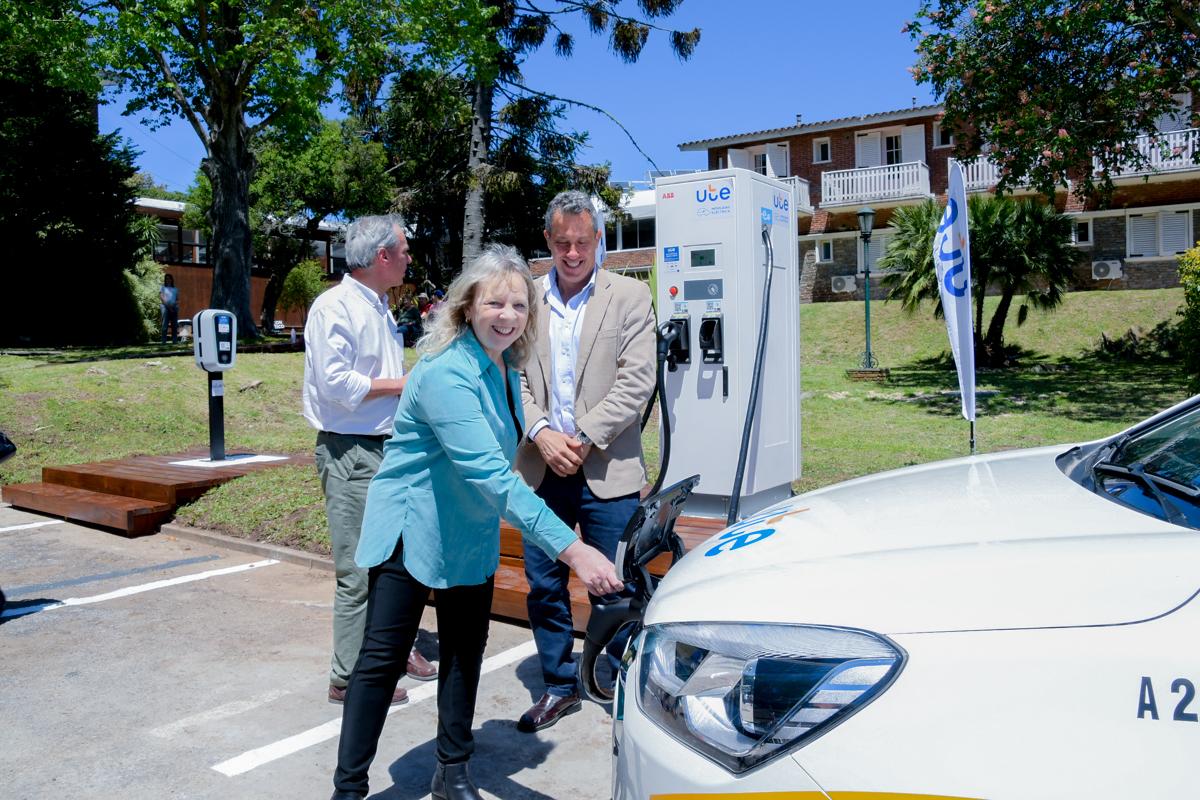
x,y
337,694
548,710
419,668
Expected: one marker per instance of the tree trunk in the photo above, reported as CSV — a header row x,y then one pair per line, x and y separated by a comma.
x,y
271,294
229,167
481,129
993,341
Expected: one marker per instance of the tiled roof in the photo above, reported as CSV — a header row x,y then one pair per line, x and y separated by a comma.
x,y
618,261
811,127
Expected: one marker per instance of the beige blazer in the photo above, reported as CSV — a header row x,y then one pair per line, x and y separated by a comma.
x,y
614,380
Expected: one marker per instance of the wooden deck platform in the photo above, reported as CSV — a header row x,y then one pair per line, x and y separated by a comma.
x,y
130,496
135,496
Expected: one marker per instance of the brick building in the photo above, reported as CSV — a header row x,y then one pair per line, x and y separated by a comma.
x,y
896,158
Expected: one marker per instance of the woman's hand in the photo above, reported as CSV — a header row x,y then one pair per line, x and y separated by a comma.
x,y
592,567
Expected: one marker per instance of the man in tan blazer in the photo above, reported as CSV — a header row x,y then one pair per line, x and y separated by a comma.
x,y
583,391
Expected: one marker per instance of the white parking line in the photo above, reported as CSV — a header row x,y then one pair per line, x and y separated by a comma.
x,y
20,611
214,714
28,525
294,744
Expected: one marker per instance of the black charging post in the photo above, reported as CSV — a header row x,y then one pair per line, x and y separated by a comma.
x,y
216,416
215,350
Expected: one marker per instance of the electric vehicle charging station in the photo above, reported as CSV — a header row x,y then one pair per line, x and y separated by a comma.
x,y
712,276
214,346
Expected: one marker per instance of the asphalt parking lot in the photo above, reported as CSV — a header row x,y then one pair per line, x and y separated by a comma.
x,y
161,667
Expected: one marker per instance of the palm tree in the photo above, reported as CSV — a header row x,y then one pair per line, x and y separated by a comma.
x,y
1017,248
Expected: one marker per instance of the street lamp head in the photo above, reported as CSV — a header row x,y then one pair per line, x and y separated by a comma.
x,y
866,221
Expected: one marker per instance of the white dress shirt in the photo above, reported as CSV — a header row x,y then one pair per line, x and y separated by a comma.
x,y
350,339
565,323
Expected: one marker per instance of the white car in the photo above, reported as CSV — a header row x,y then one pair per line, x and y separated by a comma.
x,y
1017,625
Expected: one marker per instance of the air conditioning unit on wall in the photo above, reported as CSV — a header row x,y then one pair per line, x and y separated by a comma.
x,y
843,283
1106,270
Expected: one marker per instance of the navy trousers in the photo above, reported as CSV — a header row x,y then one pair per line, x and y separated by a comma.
x,y
601,522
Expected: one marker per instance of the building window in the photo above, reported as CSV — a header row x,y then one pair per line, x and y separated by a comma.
x,y
610,235
633,233
760,163
1083,233
1165,233
893,149
822,151
941,136
825,250
879,242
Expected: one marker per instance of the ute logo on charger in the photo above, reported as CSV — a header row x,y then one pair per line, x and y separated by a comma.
x,y
712,194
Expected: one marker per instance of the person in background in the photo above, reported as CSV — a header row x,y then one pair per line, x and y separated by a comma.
x,y
353,378
439,299
433,515
168,308
584,390
410,321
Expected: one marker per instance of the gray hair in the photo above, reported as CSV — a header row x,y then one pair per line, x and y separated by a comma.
x,y
450,320
572,201
366,236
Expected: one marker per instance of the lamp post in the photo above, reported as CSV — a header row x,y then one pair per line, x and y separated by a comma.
x,y
866,221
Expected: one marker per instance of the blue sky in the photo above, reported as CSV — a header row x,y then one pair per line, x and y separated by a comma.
x,y
758,65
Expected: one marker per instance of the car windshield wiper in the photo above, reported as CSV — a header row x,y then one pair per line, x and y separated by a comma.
x,y
1136,472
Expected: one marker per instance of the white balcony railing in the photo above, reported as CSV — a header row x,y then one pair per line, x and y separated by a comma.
x,y
1173,151
801,199
875,184
979,174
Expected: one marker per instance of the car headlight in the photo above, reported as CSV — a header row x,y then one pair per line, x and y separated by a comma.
x,y
741,694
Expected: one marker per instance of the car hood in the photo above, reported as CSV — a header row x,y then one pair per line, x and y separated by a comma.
x,y
998,541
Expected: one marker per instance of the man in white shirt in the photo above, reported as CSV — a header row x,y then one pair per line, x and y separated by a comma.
x,y
583,392
353,377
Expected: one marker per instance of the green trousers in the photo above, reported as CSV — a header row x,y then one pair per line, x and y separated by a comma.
x,y
346,463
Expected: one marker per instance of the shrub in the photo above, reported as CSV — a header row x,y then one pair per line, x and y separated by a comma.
x,y
302,285
1189,278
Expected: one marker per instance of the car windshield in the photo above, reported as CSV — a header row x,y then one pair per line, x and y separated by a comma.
x,y
1155,471
1170,451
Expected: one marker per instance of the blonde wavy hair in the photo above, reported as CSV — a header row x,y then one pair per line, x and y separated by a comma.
x,y
450,321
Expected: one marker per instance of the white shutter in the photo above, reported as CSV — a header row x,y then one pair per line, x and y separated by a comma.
x,y
912,143
1176,232
866,150
739,158
777,160
878,247
1143,235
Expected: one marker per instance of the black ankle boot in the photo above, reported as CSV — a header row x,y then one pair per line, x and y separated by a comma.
x,y
451,782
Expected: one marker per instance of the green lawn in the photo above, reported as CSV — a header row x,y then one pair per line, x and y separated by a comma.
x,y
60,409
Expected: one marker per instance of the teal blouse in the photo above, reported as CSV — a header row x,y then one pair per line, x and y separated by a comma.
x,y
446,477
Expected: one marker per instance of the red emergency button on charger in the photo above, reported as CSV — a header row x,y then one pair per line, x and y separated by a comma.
x,y
674,290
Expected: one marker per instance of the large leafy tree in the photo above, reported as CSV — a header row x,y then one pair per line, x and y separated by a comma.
x,y
519,27
1051,84
426,129
1019,249
337,173
234,68
66,210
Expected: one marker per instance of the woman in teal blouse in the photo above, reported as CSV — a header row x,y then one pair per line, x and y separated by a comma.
x,y
433,514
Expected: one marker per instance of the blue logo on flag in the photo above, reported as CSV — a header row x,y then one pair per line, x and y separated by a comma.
x,y
955,257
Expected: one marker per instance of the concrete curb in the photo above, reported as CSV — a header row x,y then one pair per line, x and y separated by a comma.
x,y
299,557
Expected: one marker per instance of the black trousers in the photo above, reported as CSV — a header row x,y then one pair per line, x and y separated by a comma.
x,y
395,601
